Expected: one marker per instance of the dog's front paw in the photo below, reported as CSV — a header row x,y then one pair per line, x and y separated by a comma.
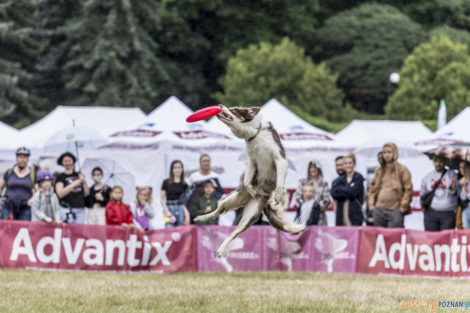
x,y
278,193
251,190
200,218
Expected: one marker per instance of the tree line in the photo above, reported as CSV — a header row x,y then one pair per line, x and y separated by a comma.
x,y
326,60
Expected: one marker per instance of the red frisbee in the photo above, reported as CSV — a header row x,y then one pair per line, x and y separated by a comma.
x,y
202,114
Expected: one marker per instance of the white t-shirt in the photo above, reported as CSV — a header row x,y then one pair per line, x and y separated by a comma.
x,y
305,211
198,177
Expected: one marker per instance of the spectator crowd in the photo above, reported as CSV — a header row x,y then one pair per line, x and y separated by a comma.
x,y
39,195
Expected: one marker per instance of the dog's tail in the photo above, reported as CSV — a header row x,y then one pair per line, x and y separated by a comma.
x,y
275,219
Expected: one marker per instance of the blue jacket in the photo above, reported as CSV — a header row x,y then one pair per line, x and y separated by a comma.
x,y
354,192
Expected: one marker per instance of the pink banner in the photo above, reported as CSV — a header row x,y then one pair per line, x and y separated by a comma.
x,y
262,248
244,253
321,249
413,252
90,247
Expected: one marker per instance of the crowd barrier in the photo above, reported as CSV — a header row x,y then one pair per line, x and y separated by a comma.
x,y
371,250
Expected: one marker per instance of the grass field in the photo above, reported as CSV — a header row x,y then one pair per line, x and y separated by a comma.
x,y
34,291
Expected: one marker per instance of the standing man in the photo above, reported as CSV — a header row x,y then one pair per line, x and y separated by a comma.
x,y
441,214
339,163
197,179
391,190
204,173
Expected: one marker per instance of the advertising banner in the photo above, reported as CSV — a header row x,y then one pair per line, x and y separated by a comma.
x,y
413,252
92,247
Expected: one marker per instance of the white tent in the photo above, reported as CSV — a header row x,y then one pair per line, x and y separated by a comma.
x,y
106,120
9,142
457,130
286,122
458,127
361,132
8,137
171,115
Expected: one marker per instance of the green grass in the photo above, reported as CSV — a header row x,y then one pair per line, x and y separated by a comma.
x,y
43,291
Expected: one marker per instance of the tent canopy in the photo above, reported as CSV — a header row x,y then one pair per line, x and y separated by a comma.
x,y
8,137
106,120
458,127
361,132
455,131
171,115
285,121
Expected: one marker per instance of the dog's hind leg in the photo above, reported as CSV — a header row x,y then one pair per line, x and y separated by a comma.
x,y
234,200
251,213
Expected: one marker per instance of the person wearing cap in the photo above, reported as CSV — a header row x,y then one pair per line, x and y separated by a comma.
x,y
71,189
45,202
19,182
321,191
441,214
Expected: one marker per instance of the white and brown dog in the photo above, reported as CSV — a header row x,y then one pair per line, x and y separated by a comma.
x,y
262,188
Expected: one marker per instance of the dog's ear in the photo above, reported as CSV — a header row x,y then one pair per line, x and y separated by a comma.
x,y
254,110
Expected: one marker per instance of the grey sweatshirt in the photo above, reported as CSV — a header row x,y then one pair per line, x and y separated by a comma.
x,y
444,198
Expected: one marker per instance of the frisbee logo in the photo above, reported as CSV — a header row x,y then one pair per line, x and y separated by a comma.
x,y
92,251
290,250
211,240
331,249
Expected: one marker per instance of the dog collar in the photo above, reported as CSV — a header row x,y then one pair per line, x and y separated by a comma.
x,y
260,126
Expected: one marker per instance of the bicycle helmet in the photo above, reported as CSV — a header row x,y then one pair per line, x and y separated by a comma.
x,y
23,151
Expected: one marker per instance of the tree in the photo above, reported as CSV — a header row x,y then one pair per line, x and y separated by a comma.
x,y
432,13
47,81
364,45
436,70
454,34
18,52
113,59
201,36
264,71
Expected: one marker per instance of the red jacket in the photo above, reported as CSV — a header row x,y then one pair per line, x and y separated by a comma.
x,y
116,214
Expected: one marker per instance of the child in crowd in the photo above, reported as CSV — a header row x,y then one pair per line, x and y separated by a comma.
x,y
97,199
308,212
118,213
141,209
45,202
205,203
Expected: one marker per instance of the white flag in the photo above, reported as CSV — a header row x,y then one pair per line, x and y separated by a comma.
x,y
442,115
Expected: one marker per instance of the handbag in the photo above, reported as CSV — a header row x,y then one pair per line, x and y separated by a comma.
x,y
426,199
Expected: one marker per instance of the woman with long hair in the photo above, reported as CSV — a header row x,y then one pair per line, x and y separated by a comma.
x,y
321,193
176,213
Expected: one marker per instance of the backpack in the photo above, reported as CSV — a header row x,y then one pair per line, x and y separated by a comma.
x,y
32,175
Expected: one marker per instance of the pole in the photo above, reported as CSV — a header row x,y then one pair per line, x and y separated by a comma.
x,y
76,149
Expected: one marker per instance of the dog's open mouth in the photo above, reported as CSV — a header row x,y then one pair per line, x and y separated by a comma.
x,y
225,116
